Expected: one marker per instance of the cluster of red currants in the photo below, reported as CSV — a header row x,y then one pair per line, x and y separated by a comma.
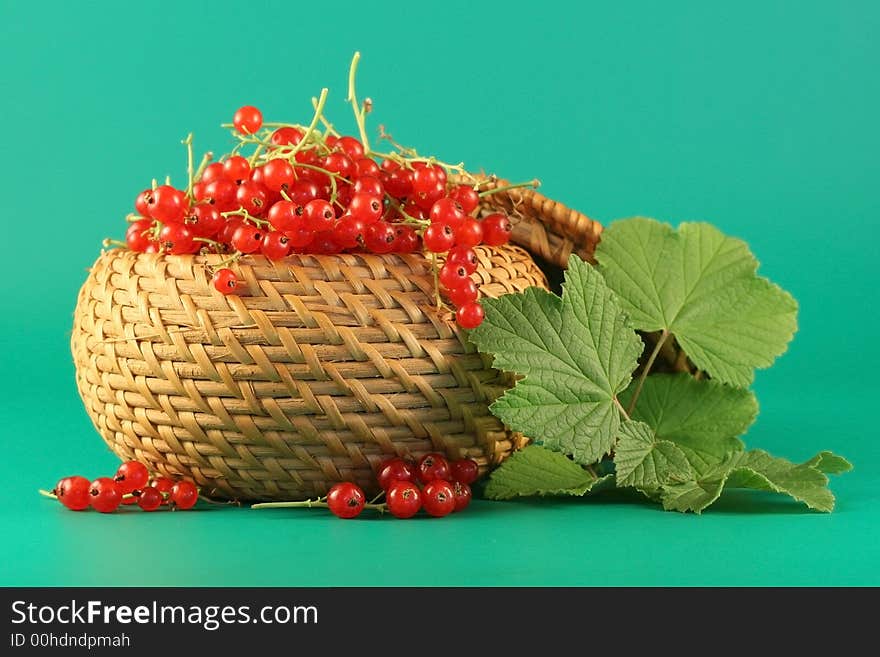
x,y
434,484
130,485
304,191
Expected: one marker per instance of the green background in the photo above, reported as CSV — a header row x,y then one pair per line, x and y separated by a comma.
x,y
760,118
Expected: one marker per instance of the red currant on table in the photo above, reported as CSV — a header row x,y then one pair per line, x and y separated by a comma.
x,y
438,238
184,495
73,492
496,229
142,202
463,494
393,470
131,476
438,498
467,197
469,233
463,256
464,470
150,499
319,215
380,237
275,246
177,239
470,315
346,500
104,495
224,281
432,466
466,293
247,238
404,499
247,120
453,276
162,484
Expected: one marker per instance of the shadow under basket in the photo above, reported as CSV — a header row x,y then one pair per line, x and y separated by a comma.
x,y
319,369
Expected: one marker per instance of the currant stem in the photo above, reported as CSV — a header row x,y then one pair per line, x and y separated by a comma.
x,y
621,409
319,112
534,184
206,158
330,130
359,113
645,370
434,271
188,142
107,242
47,493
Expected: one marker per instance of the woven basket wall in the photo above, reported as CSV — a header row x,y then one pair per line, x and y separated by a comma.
x,y
320,368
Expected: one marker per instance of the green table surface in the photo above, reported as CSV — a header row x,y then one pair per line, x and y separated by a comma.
x,y
759,117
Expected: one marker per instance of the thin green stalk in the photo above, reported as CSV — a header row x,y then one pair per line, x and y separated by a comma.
x,y
646,370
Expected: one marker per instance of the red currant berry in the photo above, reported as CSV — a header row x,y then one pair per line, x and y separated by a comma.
x,y
339,163
380,237
470,315
496,229
462,494
303,191
286,136
463,256
130,476
319,215
177,239
438,498
212,172
277,174
184,495
247,239
369,185
406,240
150,499
349,232
232,224
427,199
167,204
397,182
163,484
225,282
300,236
104,495
394,470
138,235
470,233
438,238
142,202
204,220
464,294
276,245
324,243
404,499
284,215
366,207
236,169
464,470
73,492
247,120
424,179
366,166
346,500
351,147
252,197
453,276
467,197
432,466
448,211
221,194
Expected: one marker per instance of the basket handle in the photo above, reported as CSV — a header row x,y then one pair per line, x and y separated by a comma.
x,y
544,227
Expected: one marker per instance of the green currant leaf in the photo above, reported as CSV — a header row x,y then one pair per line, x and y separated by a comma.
x,y
642,461
536,470
576,354
702,287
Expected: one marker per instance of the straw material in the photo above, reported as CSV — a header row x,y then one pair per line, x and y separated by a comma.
x,y
322,367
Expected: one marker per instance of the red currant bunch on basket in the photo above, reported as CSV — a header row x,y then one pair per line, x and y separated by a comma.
x,y
130,485
304,189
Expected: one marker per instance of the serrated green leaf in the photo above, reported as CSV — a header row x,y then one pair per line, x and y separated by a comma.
x,y
759,470
703,418
643,461
577,353
702,287
694,495
829,463
537,470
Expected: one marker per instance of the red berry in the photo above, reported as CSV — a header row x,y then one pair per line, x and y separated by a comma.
x,y
236,169
394,470
324,243
380,237
104,495
466,293
366,207
167,204
276,245
351,147
369,185
470,315
138,236
303,191
406,240
424,179
467,196
225,282
204,220
253,198
222,194
247,120
349,232
232,224
73,492
150,499
404,499
212,172
247,239
142,202
427,199
346,500
397,182
184,495
130,476
163,484
447,210
339,163
453,276
462,493
438,498
464,470
300,236
277,174
438,238
366,166
432,466
319,215
286,136
463,256
177,239
469,233
284,214
496,229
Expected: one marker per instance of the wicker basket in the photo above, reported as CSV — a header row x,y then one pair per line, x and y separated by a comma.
x,y
321,368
